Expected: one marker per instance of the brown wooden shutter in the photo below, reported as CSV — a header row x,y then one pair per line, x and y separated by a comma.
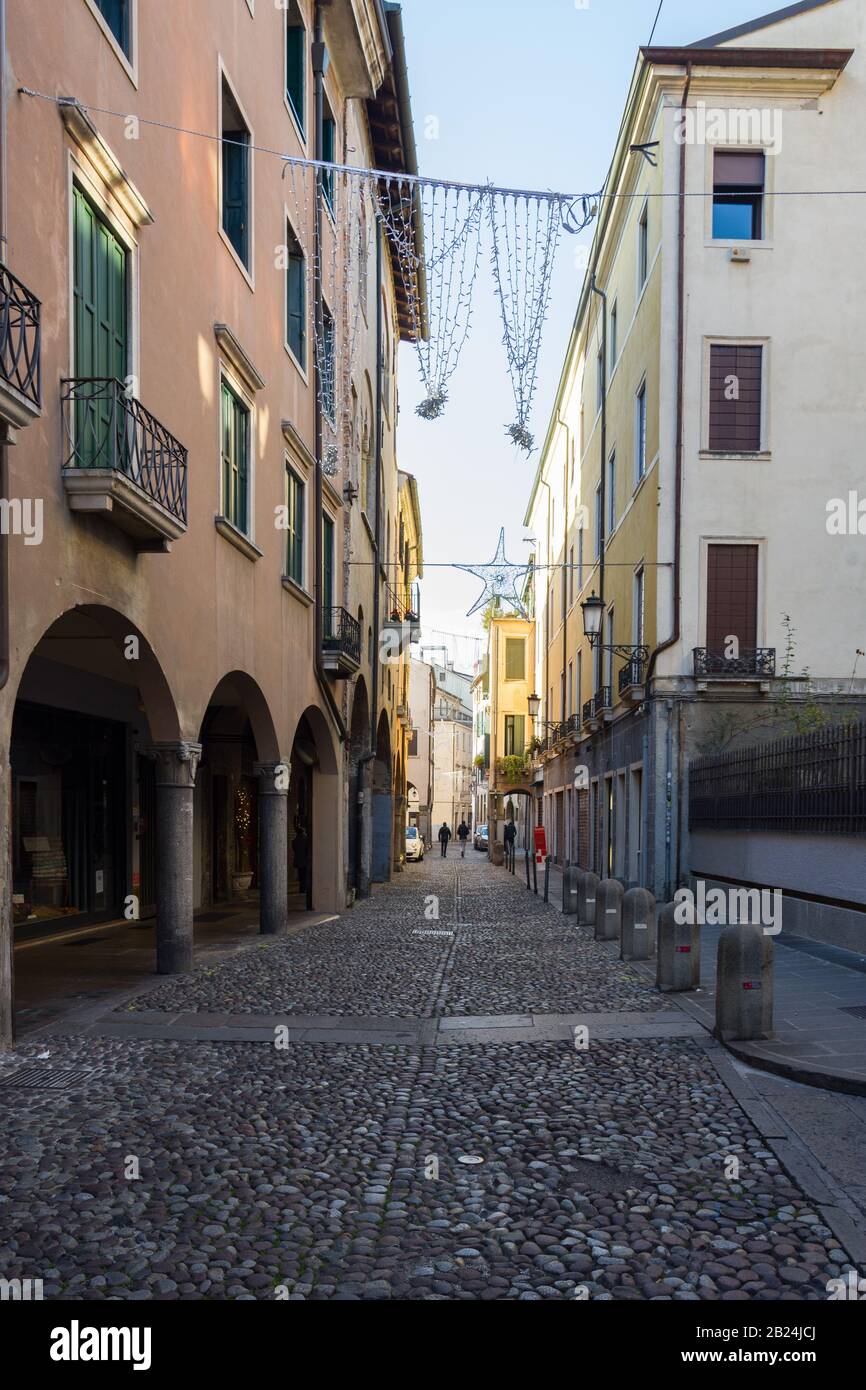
x,y
732,596
735,425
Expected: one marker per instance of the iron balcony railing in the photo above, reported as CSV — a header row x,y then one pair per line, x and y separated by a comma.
x,y
566,729
403,606
341,633
760,661
587,710
601,700
630,674
808,784
20,337
446,712
107,428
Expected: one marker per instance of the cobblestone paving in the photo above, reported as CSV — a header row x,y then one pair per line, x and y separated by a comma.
x,y
513,953
189,1170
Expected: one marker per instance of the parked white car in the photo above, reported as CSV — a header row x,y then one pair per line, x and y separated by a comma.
x,y
414,844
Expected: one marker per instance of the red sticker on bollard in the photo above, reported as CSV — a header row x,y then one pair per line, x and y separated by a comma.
x,y
752,984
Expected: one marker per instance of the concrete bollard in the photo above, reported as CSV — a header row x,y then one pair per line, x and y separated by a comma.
x,y
497,853
678,965
608,910
744,984
587,886
638,932
570,877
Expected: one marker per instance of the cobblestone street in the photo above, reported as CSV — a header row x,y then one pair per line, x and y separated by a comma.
x,y
188,1156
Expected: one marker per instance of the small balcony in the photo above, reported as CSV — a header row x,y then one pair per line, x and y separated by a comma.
x,y
757,664
631,681
567,729
403,615
341,643
602,703
121,463
20,352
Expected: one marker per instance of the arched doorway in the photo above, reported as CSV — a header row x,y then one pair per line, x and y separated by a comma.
x,y
382,804
316,874
359,747
91,704
239,760
399,844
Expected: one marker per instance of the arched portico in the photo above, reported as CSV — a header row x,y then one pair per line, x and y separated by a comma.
x,y
358,808
316,875
91,702
382,804
240,846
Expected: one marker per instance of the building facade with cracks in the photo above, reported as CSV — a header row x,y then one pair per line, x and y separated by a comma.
x,y
186,643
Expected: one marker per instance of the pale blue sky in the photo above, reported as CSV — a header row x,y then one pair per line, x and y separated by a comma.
x,y
529,96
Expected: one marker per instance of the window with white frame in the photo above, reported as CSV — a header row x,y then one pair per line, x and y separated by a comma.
x,y
643,247
640,461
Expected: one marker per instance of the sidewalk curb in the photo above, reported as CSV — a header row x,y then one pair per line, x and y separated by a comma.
x,y
754,1056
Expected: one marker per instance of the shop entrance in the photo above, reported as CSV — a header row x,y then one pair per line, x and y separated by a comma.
x,y
69,807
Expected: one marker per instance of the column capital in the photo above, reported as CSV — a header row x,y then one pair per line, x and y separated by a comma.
x,y
274,777
176,763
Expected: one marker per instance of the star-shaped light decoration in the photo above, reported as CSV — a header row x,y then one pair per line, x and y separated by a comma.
x,y
500,580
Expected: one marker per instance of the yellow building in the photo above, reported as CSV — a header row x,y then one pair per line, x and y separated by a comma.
x,y
509,676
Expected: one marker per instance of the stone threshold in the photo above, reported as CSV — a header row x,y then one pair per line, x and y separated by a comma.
x,y
441,1030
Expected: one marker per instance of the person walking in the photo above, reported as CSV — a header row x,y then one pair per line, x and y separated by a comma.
x,y
463,836
444,837
510,836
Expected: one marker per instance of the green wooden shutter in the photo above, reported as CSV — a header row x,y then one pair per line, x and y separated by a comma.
x,y
296,302
328,575
116,15
235,458
295,538
236,177
296,69
329,144
99,336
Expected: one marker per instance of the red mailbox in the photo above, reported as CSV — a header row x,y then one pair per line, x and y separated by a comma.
x,y
540,844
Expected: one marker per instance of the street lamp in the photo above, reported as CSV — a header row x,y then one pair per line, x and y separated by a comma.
x,y
534,706
593,608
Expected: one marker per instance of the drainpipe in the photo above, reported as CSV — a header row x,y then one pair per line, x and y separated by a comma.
x,y
368,758
678,488
547,605
4,436
603,508
320,62
566,572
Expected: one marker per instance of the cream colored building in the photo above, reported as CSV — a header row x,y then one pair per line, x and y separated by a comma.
x,y
678,480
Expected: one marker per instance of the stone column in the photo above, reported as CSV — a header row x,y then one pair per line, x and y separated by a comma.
x,y
273,848
365,829
176,767
7,929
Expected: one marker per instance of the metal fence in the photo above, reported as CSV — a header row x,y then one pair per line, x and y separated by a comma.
x,y
811,784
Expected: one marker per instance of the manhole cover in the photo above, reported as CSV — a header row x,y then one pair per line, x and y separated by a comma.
x,y
40,1078
856,1011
